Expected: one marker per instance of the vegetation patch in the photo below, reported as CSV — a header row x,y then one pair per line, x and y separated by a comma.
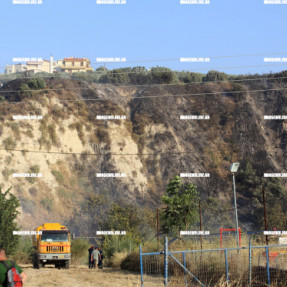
x,y
9,143
59,176
7,172
48,204
79,127
33,169
28,205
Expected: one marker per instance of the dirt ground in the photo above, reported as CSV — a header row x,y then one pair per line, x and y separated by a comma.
x,y
81,276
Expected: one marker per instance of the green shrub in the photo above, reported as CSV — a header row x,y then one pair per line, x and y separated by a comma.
x,y
9,143
161,75
79,127
64,193
7,172
15,128
29,133
41,83
52,134
48,204
24,87
58,175
36,83
24,252
79,251
33,169
28,205
33,84
213,76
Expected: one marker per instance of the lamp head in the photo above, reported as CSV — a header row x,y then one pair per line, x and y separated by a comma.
x,y
234,167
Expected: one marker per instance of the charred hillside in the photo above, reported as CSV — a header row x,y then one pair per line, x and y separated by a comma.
x,y
69,146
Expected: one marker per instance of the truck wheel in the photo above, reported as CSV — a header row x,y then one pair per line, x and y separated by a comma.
x,y
39,264
35,262
67,264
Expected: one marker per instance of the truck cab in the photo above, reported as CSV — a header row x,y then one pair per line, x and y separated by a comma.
x,y
52,244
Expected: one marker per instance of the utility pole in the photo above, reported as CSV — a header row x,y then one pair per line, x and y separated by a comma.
x,y
265,217
157,228
200,224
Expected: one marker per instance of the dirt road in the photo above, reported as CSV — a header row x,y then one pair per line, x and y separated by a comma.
x,y
81,276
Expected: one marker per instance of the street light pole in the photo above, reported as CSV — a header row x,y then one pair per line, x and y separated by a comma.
x,y
235,209
233,168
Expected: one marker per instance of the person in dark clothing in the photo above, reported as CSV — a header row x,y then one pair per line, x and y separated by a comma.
x,y
91,249
100,265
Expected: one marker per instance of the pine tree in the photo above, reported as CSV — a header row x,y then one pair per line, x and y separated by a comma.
x,y
181,209
8,214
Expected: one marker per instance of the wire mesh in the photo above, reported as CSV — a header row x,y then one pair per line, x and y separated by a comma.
x,y
153,269
258,266
205,267
277,264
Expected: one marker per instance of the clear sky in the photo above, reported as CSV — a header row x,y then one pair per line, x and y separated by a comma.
x,y
148,30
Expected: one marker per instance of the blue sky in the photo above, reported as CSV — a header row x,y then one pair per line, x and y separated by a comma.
x,y
147,30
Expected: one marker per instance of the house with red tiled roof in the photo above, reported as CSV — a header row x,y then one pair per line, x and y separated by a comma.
x,y
72,65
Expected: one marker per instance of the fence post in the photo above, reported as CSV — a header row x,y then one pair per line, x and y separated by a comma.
x,y
165,261
226,266
267,266
141,263
277,265
250,264
184,264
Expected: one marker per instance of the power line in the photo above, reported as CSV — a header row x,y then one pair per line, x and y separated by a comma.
x,y
95,154
185,95
177,59
149,85
198,69
43,90
168,96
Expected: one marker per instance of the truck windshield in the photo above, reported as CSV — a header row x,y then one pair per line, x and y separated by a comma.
x,y
54,236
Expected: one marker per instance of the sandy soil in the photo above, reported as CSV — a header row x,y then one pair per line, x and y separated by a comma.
x,y
81,276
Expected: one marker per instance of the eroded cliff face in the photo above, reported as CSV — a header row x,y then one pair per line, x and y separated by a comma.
x,y
69,146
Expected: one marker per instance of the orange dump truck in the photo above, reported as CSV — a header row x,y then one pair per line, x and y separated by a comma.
x,y
53,245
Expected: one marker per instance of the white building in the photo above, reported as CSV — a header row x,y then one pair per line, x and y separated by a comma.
x,y
33,67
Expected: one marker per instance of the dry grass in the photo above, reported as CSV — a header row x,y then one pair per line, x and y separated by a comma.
x,y
117,259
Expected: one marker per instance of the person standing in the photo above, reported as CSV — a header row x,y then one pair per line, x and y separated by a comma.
x,y
91,249
100,265
95,257
5,266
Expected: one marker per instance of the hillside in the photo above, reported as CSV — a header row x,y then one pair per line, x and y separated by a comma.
x,y
69,145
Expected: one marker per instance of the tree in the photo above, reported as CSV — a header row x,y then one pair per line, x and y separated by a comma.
x,y
101,69
139,76
122,218
8,214
250,184
181,208
37,83
116,77
161,75
213,76
125,218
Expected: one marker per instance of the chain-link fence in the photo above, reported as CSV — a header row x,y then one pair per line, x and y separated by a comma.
x,y
256,266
